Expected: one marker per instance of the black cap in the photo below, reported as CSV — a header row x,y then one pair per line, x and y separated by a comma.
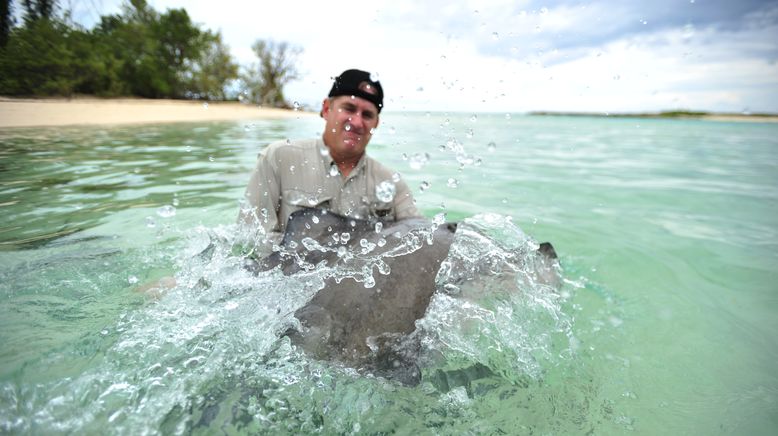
x,y
359,84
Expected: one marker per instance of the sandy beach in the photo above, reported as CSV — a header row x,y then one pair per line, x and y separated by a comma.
x,y
94,111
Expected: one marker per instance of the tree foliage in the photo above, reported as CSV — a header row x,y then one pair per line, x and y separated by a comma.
x,y
139,52
276,67
6,20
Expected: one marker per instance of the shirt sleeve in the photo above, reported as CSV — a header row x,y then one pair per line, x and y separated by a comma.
x,y
263,195
404,205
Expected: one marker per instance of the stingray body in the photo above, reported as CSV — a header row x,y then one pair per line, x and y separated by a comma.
x,y
385,275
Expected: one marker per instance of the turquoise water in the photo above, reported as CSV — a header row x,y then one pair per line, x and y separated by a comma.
x,y
667,231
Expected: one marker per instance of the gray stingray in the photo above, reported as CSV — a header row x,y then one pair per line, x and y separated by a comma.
x,y
351,320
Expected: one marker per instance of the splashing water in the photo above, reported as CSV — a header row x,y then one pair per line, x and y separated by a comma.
x,y
385,191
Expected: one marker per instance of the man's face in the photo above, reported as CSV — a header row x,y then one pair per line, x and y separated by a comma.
x,y
349,126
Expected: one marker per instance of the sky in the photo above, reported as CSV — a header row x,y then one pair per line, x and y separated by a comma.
x,y
604,56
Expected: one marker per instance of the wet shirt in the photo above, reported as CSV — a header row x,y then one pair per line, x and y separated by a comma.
x,y
291,175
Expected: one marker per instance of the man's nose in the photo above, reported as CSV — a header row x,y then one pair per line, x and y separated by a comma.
x,y
357,122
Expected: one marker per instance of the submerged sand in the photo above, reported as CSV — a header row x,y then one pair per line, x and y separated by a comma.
x,y
92,111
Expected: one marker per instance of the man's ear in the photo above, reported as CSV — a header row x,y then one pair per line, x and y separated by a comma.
x,y
325,107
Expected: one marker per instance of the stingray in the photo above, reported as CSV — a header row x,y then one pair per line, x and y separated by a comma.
x,y
383,275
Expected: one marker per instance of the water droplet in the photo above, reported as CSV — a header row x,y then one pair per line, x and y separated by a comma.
x,y
396,177
132,280
439,218
424,186
419,161
175,202
507,116
420,89
315,219
392,130
341,251
378,227
373,76
643,22
385,191
381,242
504,201
344,237
347,127
334,170
188,148
291,169
491,147
150,223
469,133
616,77
205,105
543,11
296,106
452,183
211,159
746,111
369,283
166,211
495,36
473,118
451,289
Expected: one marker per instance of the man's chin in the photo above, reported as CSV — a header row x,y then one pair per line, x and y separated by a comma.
x,y
351,143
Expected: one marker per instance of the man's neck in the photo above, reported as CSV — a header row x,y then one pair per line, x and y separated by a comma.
x,y
345,166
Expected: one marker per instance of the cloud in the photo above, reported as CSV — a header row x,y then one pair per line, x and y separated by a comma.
x,y
519,55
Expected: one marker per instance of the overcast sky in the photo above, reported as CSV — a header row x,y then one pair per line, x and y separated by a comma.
x,y
513,56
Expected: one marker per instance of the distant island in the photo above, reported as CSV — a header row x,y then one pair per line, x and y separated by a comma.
x,y
677,114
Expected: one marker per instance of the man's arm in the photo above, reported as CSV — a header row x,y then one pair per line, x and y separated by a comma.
x,y
404,205
262,195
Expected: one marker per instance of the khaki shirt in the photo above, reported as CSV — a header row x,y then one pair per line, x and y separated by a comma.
x,y
291,175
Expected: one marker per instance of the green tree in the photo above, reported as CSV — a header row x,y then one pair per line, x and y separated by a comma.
x,y
46,57
212,71
6,21
38,9
266,80
139,52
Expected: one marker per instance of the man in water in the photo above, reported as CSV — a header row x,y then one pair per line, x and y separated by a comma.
x,y
332,172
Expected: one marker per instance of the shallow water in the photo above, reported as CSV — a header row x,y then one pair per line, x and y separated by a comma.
x,y
666,229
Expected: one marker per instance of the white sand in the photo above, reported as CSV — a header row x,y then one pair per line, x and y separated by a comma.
x,y
92,111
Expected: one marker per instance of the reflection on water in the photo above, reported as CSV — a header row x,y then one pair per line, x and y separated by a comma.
x,y
665,320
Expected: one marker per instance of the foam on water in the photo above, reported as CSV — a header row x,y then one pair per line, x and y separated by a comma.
x,y
210,352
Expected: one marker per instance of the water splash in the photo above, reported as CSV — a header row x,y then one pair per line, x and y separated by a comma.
x,y
210,353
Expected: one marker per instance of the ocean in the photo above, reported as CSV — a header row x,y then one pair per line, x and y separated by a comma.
x,y
666,231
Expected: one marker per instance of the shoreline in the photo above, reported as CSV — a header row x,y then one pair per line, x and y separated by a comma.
x,y
85,111
702,116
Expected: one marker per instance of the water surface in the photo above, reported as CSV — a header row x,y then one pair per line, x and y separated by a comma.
x,y
666,229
